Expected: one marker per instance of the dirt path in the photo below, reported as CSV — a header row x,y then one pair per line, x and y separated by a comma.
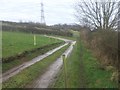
x,y
48,77
16,70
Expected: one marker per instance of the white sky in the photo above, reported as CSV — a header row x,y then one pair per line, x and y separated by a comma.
x,y
56,11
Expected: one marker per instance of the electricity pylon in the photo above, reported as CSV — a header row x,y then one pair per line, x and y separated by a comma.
x,y
42,14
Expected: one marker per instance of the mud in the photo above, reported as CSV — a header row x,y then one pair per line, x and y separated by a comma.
x,y
48,77
16,70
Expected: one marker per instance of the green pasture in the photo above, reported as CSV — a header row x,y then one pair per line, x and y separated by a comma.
x,y
15,42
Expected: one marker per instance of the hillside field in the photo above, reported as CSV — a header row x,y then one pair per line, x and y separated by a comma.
x,y
15,42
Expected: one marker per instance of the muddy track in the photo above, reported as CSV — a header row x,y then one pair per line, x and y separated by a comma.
x,y
5,76
49,76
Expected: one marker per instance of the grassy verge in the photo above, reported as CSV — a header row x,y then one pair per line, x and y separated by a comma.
x,y
31,73
74,74
96,77
14,63
83,71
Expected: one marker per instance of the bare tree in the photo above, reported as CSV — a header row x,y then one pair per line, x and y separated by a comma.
x,y
101,15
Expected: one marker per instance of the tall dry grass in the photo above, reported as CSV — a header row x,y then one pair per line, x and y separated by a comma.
x,y
104,44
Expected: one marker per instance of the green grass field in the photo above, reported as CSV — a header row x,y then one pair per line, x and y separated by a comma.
x,y
28,57
82,70
15,42
31,73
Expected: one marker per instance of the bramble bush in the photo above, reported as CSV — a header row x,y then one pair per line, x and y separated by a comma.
x,y
104,43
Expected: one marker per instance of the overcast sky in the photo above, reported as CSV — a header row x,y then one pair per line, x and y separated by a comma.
x,y
56,11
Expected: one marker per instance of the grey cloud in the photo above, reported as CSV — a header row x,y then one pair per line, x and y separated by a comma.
x,y
29,10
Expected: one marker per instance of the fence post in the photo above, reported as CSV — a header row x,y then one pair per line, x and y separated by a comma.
x,y
34,39
65,70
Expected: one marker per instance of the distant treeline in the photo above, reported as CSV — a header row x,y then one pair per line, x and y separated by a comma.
x,y
59,27
35,28
36,31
